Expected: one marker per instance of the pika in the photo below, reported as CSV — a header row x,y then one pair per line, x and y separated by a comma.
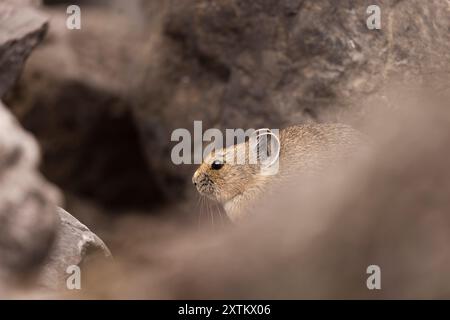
x,y
302,148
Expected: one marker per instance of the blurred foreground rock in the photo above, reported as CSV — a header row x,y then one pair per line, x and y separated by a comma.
x,y
28,218
317,240
75,245
33,232
21,29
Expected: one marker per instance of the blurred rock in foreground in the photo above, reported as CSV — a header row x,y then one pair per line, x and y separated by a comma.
x,y
33,232
28,218
75,245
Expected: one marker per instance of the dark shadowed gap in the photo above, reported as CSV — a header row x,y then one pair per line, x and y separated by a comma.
x,y
90,145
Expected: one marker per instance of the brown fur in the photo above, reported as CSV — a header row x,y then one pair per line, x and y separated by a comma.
x,y
304,149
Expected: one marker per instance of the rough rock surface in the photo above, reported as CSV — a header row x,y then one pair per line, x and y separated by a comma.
x,y
21,29
75,245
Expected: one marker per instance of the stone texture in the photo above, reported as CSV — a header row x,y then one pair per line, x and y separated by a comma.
x,y
27,213
21,29
316,241
33,232
76,245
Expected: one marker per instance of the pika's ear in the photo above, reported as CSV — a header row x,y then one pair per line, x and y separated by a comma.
x,y
264,147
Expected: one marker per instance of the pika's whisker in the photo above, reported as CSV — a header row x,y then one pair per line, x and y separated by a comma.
x,y
198,210
204,206
212,216
210,212
220,213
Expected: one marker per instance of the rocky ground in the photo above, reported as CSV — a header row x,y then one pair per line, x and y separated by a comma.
x,y
87,119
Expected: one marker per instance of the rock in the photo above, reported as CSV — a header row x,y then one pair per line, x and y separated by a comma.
x,y
317,240
21,29
75,245
33,232
27,203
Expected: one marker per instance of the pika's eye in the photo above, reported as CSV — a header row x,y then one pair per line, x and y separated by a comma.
x,y
216,165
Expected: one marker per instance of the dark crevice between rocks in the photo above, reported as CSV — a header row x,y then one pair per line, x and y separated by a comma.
x,y
90,145
123,182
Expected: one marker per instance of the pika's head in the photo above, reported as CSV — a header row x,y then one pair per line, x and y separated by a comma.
x,y
228,172
221,178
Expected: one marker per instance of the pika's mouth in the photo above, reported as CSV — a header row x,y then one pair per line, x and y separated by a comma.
x,y
206,188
